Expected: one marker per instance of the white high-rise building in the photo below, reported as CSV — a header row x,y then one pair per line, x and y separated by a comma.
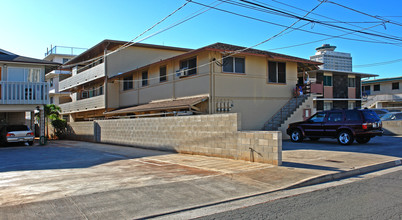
x,y
332,60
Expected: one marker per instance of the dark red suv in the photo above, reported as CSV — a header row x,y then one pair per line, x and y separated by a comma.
x,y
345,125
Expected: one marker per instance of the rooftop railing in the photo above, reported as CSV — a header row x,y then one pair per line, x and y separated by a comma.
x,y
64,50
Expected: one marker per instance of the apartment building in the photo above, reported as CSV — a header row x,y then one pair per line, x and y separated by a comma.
x,y
383,93
337,86
23,88
91,94
219,78
59,54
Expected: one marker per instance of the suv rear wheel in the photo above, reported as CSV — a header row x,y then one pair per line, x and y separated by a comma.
x,y
296,136
345,137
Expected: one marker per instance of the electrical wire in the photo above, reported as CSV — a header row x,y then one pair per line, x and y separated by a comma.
x,y
280,25
360,12
378,64
237,51
319,22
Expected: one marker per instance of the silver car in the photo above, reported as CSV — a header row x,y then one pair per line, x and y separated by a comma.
x,y
17,133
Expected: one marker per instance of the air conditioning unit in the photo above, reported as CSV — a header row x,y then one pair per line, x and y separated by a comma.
x,y
182,72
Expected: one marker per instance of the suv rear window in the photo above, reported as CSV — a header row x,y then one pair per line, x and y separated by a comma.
x,y
353,115
370,115
17,128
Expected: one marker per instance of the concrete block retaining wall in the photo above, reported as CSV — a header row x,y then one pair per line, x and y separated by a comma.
x,y
210,135
392,127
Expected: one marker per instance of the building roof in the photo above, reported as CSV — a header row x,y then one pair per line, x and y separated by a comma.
x,y
99,49
228,48
345,72
162,105
8,57
399,78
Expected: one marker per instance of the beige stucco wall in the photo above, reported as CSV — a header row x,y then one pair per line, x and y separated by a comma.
x,y
135,57
174,87
211,135
250,93
385,88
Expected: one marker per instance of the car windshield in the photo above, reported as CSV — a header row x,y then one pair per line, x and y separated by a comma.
x,y
319,117
387,116
17,128
370,115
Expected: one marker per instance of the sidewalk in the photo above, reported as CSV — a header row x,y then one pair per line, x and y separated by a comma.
x,y
127,183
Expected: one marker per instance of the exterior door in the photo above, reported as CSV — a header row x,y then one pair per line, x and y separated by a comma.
x,y
334,121
313,126
306,113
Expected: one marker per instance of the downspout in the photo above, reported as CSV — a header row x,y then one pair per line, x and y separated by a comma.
x,y
106,77
210,84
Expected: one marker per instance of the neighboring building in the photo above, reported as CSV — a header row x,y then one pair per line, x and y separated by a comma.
x,y
59,54
383,93
90,92
340,88
22,88
252,82
332,60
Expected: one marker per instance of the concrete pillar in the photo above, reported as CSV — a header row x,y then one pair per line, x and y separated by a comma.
x,y
42,121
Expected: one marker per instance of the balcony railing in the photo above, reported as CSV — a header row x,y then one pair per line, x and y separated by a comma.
x,y
24,93
94,103
86,76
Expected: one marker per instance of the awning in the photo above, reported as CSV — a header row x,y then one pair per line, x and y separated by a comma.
x,y
174,104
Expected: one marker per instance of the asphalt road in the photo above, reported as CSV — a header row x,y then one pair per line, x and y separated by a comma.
x,y
374,198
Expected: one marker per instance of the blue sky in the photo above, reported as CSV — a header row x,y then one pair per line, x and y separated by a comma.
x,y
29,27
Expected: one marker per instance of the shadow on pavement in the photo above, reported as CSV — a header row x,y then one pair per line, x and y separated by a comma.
x,y
309,166
23,158
385,145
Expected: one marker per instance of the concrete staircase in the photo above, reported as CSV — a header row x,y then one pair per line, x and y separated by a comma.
x,y
284,113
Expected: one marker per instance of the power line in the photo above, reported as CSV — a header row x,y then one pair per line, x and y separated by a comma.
x,y
281,25
291,6
319,22
360,12
377,64
197,13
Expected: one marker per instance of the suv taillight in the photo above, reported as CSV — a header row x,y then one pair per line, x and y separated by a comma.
x,y
364,126
30,134
10,135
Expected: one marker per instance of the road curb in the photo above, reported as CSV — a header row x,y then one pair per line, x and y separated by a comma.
x,y
304,183
346,174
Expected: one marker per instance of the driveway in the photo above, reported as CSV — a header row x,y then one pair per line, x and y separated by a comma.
x,y
100,181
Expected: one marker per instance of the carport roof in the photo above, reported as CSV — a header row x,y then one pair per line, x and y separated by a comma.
x,y
162,105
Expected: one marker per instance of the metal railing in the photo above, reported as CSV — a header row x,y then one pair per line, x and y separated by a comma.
x,y
64,50
24,93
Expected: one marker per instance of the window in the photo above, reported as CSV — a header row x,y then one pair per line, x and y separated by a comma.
x,y
377,87
351,105
319,117
145,78
162,74
16,74
65,60
327,80
190,64
395,85
351,82
84,94
335,117
51,82
276,72
327,106
233,65
51,100
128,83
353,116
